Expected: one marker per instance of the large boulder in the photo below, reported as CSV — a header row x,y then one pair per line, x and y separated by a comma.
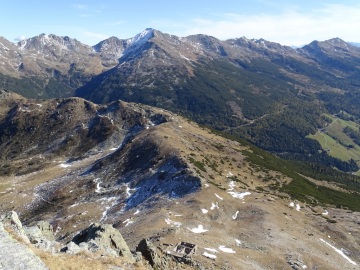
x,y
15,255
104,238
11,220
152,254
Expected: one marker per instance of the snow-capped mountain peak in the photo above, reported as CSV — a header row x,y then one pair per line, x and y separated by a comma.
x,y
141,38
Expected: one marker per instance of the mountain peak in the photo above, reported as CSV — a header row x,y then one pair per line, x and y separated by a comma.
x,y
52,43
141,38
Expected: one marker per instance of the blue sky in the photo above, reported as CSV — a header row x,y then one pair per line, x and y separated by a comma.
x,y
291,22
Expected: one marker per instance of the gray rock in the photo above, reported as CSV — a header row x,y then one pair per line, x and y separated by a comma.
x,y
152,255
11,220
295,262
72,248
41,236
47,230
17,256
104,238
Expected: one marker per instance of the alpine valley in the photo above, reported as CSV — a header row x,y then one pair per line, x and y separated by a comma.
x,y
204,154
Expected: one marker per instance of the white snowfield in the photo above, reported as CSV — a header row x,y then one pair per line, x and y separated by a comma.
x,y
199,229
339,251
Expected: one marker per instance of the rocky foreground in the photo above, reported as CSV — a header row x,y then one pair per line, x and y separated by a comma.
x,y
35,248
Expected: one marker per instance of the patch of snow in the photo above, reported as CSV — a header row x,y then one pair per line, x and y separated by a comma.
x,y
128,189
325,213
214,205
226,249
199,229
113,149
75,204
127,222
178,215
292,204
206,185
231,185
137,212
339,252
239,195
172,223
217,196
208,255
304,266
98,188
238,242
184,57
229,174
104,213
204,211
211,250
235,215
63,165
298,207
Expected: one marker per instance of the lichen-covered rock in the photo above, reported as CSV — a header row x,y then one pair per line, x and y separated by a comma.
x,y
11,220
46,229
104,238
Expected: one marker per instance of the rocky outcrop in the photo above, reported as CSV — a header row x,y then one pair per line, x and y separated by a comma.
x,y
16,255
104,238
152,255
42,236
16,240
11,220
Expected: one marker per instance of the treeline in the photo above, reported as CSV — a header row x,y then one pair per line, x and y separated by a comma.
x,y
286,132
353,134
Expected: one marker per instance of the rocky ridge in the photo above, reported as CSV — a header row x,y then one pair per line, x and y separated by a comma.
x,y
157,176
18,253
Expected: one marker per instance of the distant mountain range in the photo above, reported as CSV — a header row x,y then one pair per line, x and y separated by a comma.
x,y
272,95
355,44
